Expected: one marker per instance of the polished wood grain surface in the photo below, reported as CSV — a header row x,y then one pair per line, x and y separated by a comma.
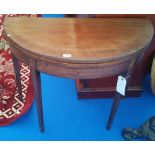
x,y
85,40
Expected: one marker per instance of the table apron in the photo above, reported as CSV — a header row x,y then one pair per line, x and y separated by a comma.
x,y
74,71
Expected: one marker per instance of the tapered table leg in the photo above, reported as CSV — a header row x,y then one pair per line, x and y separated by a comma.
x,y
37,92
118,96
17,75
116,102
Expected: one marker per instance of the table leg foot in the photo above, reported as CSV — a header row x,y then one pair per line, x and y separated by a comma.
x,y
17,75
37,92
116,101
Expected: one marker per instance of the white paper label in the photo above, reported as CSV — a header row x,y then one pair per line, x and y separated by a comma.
x,y
67,55
121,85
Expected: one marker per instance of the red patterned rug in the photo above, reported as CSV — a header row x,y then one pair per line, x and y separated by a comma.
x,y
11,107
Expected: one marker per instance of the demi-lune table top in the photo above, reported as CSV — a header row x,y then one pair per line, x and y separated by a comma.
x,y
78,48
80,40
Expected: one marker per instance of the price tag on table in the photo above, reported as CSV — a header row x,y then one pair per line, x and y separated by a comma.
x,y
121,85
67,55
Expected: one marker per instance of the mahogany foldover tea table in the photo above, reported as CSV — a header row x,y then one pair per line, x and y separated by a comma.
x,y
77,49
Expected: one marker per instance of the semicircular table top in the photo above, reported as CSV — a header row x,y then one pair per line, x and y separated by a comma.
x,y
76,40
